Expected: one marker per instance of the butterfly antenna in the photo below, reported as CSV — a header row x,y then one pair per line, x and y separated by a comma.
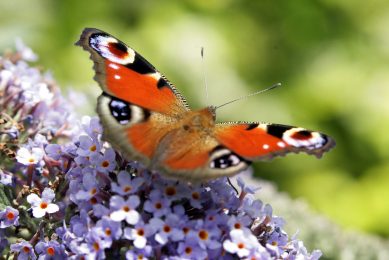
x,y
205,76
249,95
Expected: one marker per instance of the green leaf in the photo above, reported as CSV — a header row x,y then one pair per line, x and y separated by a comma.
x,y
5,196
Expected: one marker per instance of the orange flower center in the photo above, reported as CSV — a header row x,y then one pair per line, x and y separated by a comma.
x,y
237,226
43,205
158,205
127,188
185,230
93,191
203,234
105,164
50,251
170,191
92,148
195,195
26,249
167,229
10,215
126,208
141,232
240,245
108,231
188,250
96,246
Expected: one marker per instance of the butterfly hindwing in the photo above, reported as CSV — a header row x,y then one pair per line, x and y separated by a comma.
x,y
208,162
131,129
259,141
123,73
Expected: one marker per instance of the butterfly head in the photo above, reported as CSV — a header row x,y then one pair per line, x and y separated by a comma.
x,y
212,111
201,119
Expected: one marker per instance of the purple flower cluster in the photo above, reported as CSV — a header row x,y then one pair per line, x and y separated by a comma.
x,y
79,199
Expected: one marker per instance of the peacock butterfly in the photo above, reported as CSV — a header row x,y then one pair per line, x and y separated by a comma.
x,y
148,120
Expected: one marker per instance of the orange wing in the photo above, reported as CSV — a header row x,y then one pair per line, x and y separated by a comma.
x,y
123,73
254,141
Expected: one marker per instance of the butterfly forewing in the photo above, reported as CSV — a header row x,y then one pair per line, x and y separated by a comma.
x,y
123,73
259,141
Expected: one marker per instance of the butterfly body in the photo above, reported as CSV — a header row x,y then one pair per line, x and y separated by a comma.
x,y
147,119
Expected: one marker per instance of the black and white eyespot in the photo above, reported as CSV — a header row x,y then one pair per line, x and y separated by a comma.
x,y
112,49
124,112
300,137
222,158
121,111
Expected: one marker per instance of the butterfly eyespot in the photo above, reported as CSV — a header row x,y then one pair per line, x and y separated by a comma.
x,y
112,49
126,113
120,111
224,159
118,49
300,137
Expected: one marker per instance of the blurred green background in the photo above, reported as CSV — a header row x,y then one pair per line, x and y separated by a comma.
x,y
331,56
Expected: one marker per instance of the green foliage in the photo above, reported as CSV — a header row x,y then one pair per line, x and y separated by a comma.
x,y
4,201
331,57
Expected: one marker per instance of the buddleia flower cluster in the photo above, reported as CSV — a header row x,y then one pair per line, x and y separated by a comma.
x,y
66,194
